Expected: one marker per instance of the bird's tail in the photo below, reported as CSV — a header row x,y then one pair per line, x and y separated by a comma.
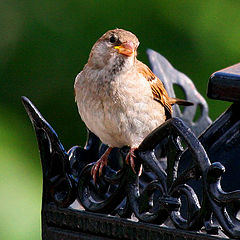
x,y
180,102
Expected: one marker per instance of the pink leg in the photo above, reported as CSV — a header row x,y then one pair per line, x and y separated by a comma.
x,y
98,166
130,158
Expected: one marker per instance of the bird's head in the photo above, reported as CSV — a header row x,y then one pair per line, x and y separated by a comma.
x,y
116,46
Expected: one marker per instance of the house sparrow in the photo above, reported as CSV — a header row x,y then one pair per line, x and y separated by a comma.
x,y
118,97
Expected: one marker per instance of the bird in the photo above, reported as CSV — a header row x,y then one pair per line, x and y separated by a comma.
x,y
118,97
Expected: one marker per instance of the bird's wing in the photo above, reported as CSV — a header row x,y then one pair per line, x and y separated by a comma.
x,y
159,92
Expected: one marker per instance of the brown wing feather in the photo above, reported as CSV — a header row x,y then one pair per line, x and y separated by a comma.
x,y
159,92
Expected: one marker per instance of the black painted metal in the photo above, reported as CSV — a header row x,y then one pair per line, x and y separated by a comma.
x,y
72,224
225,84
186,194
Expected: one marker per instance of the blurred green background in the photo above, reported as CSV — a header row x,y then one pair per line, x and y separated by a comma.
x,y
44,44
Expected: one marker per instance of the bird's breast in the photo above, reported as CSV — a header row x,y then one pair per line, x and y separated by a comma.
x,y
120,112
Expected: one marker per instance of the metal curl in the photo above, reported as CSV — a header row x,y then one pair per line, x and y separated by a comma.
x,y
220,200
58,186
101,197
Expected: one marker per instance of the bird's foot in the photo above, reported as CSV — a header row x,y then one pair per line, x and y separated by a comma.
x,y
130,158
98,166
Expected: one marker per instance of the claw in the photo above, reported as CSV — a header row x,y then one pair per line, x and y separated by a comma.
x,y
130,158
98,166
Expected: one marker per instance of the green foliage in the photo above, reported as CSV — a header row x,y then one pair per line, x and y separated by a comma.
x,y
44,44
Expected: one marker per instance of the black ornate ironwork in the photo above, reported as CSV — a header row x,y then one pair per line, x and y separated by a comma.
x,y
185,193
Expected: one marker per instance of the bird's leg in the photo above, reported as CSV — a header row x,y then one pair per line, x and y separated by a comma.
x,y
98,166
130,158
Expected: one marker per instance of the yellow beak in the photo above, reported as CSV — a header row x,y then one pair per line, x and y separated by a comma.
x,y
126,48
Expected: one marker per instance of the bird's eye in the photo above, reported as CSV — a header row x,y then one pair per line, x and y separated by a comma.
x,y
112,39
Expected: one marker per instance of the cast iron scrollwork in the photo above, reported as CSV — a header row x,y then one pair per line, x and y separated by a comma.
x,y
58,183
183,190
152,198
